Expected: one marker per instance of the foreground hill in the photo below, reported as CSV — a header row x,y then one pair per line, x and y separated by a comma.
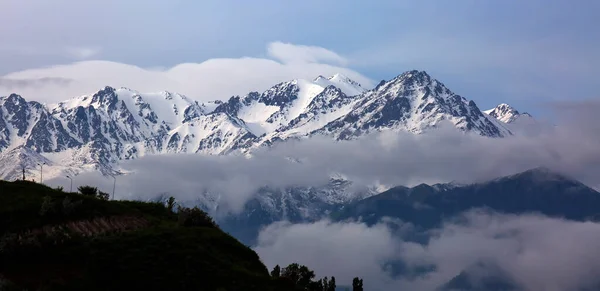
x,y
51,240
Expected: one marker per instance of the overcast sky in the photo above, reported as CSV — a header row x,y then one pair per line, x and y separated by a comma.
x,y
520,52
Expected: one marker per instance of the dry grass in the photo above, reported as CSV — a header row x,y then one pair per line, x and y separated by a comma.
x,y
81,228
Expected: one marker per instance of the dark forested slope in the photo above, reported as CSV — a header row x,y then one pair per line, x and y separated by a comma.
x,y
52,240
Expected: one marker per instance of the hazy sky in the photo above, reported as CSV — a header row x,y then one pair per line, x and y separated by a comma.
x,y
520,52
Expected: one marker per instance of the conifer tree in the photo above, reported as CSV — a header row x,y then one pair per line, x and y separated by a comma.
x,y
331,284
276,272
325,284
357,284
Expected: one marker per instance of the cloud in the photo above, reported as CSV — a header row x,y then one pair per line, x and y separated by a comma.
x,y
33,83
72,52
343,250
538,253
290,53
210,80
232,180
82,53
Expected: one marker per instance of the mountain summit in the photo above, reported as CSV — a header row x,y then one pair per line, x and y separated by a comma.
x,y
505,113
413,102
111,125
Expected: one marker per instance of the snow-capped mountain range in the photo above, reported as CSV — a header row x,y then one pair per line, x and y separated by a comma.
x,y
99,130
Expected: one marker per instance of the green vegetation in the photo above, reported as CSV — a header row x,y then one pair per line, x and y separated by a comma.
x,y
52,240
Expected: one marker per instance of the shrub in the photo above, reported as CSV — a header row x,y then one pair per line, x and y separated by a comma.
x,y
60,188
103,195
8,242
191,217
171,204
48,206
88,190
6,285
68,206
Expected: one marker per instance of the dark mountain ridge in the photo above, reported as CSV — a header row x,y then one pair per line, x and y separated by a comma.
x,y
538,190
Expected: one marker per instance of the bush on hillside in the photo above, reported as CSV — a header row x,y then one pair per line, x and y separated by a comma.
x,y
8,242
194,217
171,204
69,206
48,206
103,196
88,190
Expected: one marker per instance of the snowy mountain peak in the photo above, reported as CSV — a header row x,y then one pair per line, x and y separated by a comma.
x,y
415,76
100,129
414,102
411,80
505,113
347,85
319,78
340,78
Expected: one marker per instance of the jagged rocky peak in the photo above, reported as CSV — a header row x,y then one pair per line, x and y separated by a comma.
x,y
106,96
414,76
505,113
13,98
413,80
280,94
414,102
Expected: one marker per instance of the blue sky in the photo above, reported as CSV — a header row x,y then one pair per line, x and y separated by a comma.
x,y
521,52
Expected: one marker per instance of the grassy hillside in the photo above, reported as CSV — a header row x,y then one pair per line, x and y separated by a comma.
x,y
51,240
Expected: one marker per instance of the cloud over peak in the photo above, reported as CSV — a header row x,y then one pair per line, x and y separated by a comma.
x,y
212,79
290,53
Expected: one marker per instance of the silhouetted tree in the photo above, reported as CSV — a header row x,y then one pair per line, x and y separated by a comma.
x,y
48,206
276,272
191,217
331,284
357,284
300,275
103,195
88,190
171,204
316,285
325,284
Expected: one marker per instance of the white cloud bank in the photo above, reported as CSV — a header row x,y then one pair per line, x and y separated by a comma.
x,y
537,252
210,80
